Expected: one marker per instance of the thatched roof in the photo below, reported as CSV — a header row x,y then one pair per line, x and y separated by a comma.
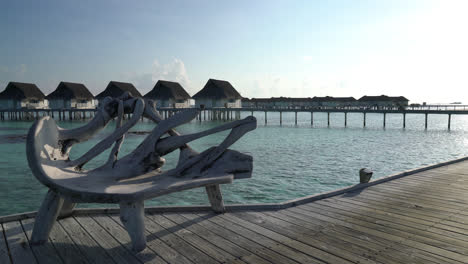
x,y
164,90
116,89
217,89
333,99
68,91
19,91
366,98
301,99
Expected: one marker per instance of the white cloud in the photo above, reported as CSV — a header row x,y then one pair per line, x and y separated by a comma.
x,y
173,71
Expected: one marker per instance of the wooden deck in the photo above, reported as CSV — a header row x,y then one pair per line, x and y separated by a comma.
x,y
420,218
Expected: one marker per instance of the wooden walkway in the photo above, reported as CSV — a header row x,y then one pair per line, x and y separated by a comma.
x,y
420,218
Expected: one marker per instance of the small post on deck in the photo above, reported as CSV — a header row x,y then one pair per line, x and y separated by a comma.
x,y
281,118
404,120
295,119
425,121
328,118
311,118
384,119
265,117
364,120
449,119
365,175
345,119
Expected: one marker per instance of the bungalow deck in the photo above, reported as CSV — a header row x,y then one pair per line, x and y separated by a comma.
x,y
419,216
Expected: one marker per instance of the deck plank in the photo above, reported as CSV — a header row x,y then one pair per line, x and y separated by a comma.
x,y
187,232
241,232
399,224
148,255
407,222
4,252
18,244
415,207
236,243
116,250
392,239
398,236
166,252
66,248
357,246
376,245
176,243
302,247
308,237
45,253
86,244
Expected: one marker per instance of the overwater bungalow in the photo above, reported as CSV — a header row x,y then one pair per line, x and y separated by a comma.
x,y
19,95
115,89
218,93
299,102
333,102
71,96
169,94
383,101
279,102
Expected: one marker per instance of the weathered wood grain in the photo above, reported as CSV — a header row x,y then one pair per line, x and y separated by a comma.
x,y
159,247
44,253
85,243
258,244
196,239
305,236
18,244
176,243
116,251
232,242
117,231
66,248
4,252
302,247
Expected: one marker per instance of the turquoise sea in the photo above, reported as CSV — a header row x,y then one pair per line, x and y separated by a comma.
x,y
289,161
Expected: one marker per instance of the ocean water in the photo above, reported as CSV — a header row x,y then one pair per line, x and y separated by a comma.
x,y
290,161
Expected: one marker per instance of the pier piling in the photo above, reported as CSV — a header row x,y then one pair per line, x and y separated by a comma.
x,y
425,121
449,120
364,120
345,119
404,120
384,119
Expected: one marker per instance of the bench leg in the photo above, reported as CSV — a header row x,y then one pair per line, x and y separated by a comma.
x,y
132,215
216,198
67,209
46,217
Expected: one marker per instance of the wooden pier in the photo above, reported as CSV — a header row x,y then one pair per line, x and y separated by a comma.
x,y
228,114
418,216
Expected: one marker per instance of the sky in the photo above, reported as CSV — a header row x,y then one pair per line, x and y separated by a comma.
x,y
264,48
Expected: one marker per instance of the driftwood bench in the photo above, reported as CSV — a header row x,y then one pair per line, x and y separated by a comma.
x,y
136,176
